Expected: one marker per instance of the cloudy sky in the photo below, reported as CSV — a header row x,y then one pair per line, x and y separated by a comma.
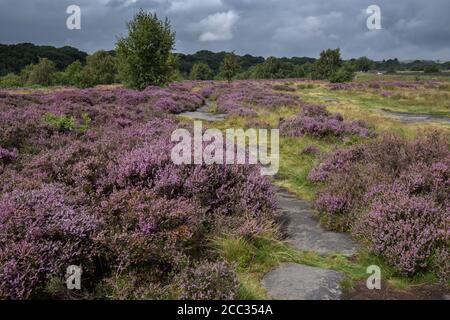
x,y
410,28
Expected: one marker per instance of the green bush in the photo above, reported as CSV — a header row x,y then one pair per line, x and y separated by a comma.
x,y
100,69
67,123
11,80
42,73
229,67
343,74
144,57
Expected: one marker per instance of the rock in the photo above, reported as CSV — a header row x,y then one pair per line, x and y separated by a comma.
x,y
304,231
299,282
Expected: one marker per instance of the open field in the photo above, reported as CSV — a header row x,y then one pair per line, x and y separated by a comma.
x,y
103,156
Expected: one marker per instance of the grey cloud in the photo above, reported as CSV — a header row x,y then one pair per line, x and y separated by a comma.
x,y
411,28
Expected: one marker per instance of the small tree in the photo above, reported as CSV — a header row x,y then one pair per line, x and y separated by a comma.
x,y
42,73
73,75
100,68
201,71
144,55
329,62
230,66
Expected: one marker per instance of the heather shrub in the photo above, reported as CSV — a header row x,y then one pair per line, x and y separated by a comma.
x,y
393,193
208,281
42,233
316,121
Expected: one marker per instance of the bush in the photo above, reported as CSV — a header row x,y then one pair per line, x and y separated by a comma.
x,y
100,68
208,281
395,198
42,233
144,55
343,74
316,121
11,80
42,74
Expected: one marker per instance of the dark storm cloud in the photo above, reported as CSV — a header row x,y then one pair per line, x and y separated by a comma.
x,y
411,28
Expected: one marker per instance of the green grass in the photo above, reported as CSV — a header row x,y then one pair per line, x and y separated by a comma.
x,y
254,258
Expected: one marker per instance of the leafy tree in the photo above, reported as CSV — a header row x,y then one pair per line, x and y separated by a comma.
x,y
230,66
274,68
11,80
144,55
201,71
363,64
100,68
329,62
432,68
42,73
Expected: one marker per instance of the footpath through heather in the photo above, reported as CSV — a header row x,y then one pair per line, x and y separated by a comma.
x,y
293,281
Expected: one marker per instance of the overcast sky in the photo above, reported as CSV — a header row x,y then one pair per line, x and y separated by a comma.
x,y
411,29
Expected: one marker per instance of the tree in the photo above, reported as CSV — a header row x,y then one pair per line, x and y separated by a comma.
x,y
100,68
432,68
42,73
329,62
363,64
230,66
201,71
144,55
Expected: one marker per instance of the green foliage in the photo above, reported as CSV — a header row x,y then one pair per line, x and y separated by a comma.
x,y
67,123
274,68
343,74
73,75
15,57
363,64
329,62
201,71
144,55
60,123
100,68
10,81
42,74
432,68
230,66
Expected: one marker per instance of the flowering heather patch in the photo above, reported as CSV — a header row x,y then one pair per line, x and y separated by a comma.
x,y
394,194
108,198
208,281
316,121
241,97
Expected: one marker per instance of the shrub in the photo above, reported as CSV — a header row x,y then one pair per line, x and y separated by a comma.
x,y
60,123
395,197
100,68
316,121
41,233
343,74
42,73
208,281
11,80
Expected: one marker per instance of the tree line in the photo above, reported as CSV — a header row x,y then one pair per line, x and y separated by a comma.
x,y
145,57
